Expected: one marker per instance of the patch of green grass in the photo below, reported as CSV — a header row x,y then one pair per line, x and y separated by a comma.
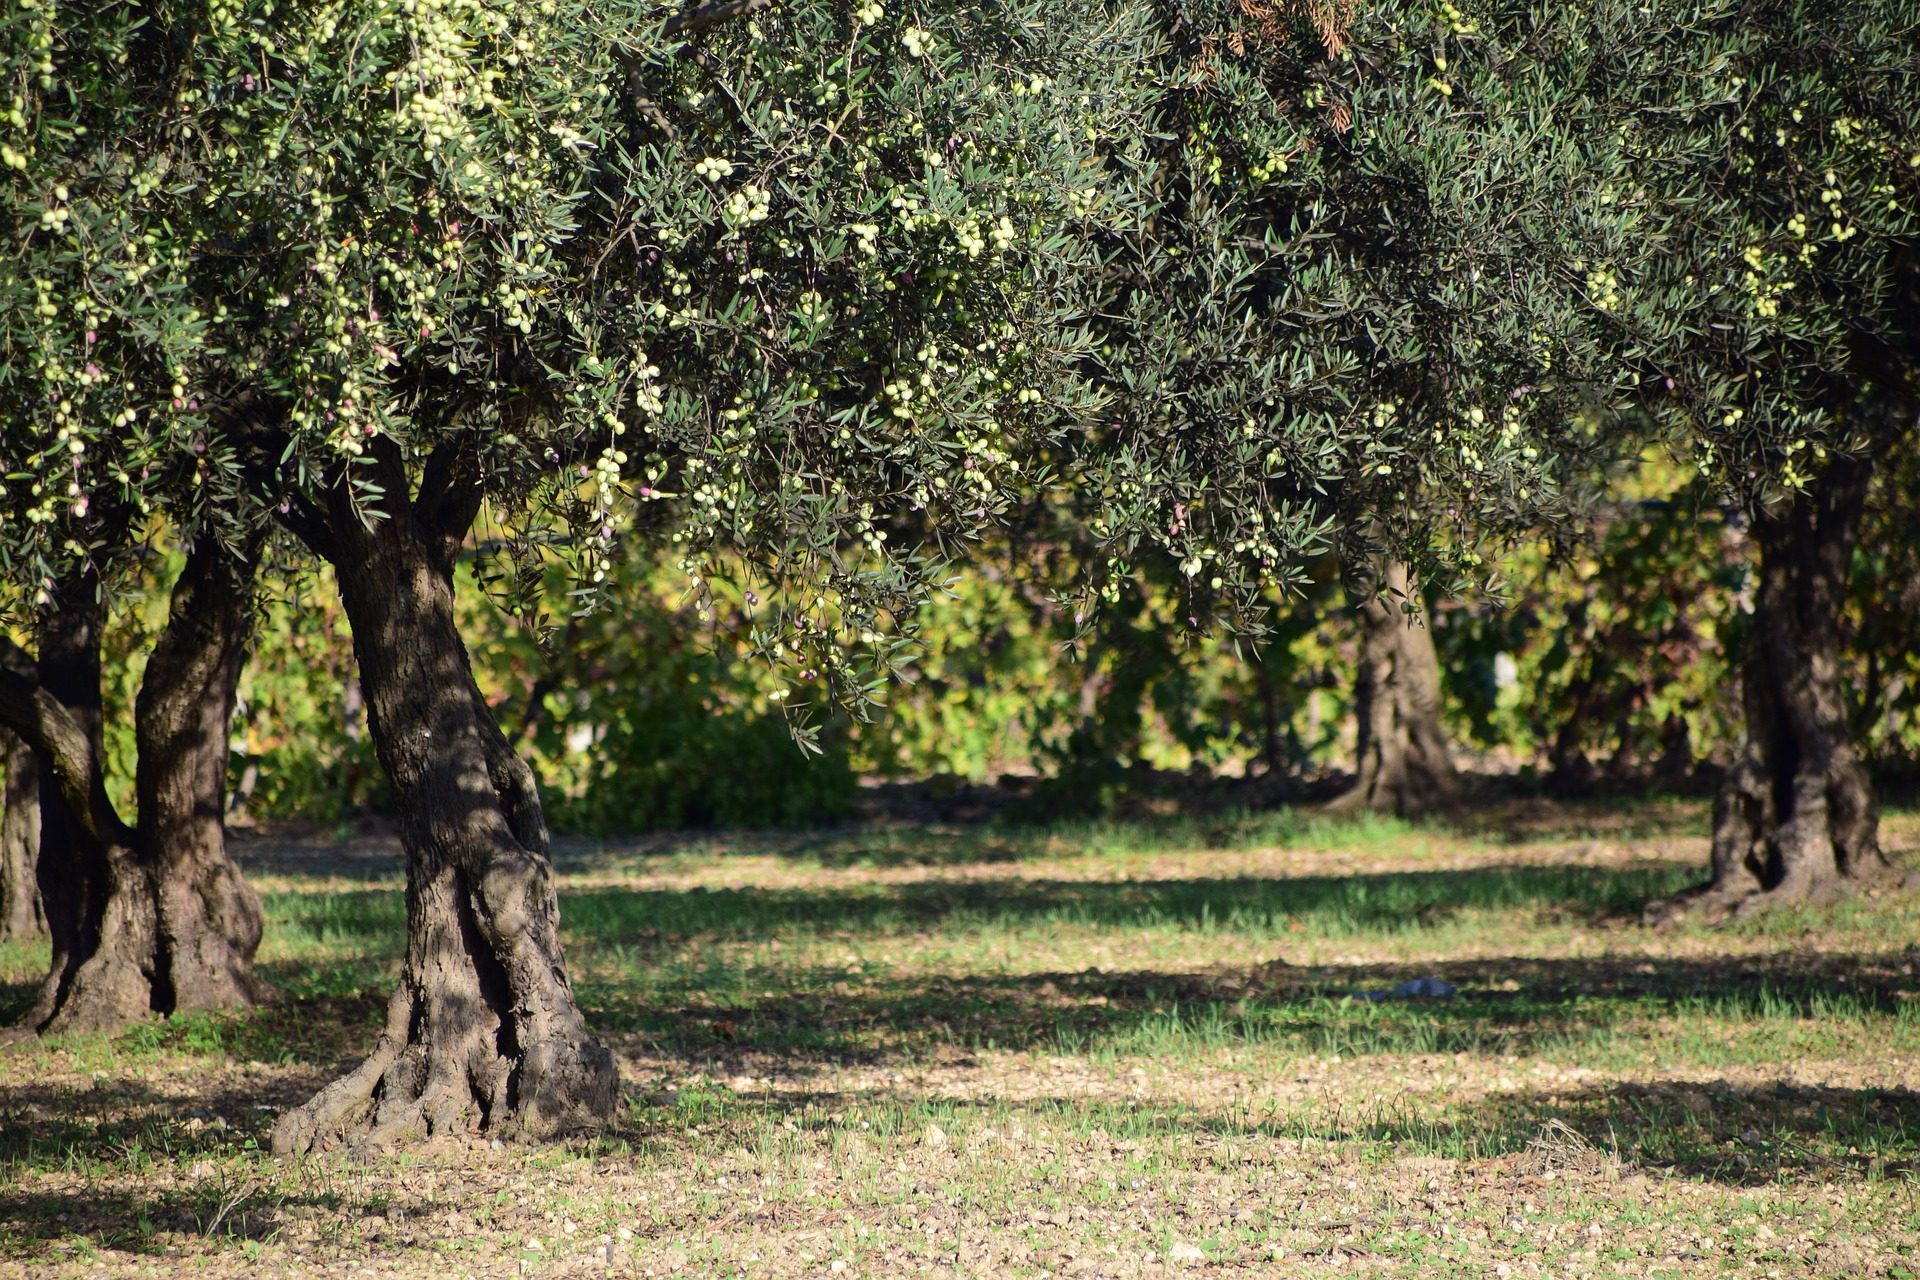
x,y
332,921
796,970
1316,906
1005,1050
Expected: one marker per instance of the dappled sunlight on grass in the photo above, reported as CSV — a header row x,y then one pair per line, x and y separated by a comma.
x,y
1152,1033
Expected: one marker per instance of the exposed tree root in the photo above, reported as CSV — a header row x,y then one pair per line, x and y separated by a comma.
x,y
1715,903
447,1064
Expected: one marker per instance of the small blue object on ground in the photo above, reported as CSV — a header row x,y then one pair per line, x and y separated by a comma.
x,y
1412,989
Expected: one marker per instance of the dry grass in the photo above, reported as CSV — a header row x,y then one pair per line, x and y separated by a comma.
x,y
1104,1051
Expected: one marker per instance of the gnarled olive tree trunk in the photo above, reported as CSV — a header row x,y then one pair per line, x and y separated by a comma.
x,y
1404,764
208,918
1795,819
20,915
152,918
98,907
483,1032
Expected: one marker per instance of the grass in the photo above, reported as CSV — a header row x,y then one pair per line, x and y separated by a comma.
x,y
1098,1049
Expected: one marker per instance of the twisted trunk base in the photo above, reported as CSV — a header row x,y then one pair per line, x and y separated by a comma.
x,y
1795,821
99,910
467,1047
133,939
106,969
153,918
482,1034
1404,764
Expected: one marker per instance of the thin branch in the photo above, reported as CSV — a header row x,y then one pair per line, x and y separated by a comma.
x,y
702,16
255,424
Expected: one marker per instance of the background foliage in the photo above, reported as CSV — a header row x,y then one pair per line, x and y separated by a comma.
x,y
1329,164
1609,668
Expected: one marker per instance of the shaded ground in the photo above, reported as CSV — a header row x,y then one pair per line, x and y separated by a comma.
x,y
1116,1049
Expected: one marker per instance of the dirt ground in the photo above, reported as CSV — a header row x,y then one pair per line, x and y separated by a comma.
x,y
1110,1051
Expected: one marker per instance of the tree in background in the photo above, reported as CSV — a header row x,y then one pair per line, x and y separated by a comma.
x,y
1604,668
1883,669
1357,308
1776,318
152,915
300,737
1404,763
652,712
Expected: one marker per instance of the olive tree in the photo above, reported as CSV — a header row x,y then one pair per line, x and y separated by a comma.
x,y
20,911
152,915
1362,303
786,281
1776,317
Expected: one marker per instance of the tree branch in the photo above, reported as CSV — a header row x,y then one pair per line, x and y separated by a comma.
x,y
14,660
254,425
712,14
306,522
450,494
50,729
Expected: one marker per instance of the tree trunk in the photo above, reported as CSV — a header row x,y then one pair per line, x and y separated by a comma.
x,y
1795,819
1404,764
483,1032
208,917
151,919
99,907
20,915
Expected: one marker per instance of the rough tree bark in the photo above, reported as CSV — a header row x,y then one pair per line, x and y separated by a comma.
x,y
1404,763
483,1032
207,916
153,918
98,913
1795,820
20,915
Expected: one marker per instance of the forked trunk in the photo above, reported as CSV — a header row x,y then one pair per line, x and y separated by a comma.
x,y
1795,819
483,1032
154,918
1404,763
20,915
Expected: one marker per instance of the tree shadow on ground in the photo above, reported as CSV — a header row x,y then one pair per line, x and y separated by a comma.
x,y
127,1115
1566,1009
1011,838
236,1207
1744,1135
1528,819
649,970
807,1018
371,850
1722,1132
1749,1135
314,1031
1388,903
1727,1132
814,1019
1766,1134
220,1189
